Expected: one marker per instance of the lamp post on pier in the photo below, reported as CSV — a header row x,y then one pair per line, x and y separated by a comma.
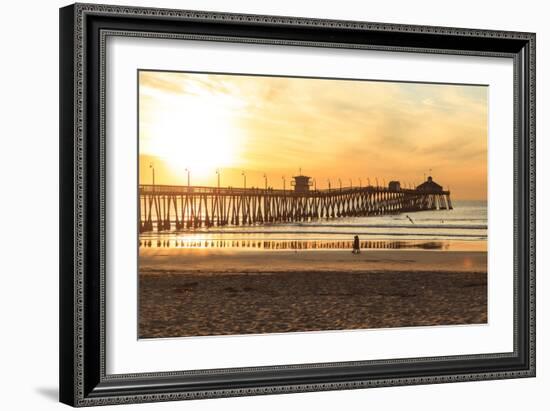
x,y
284,183
244,176
328,180
218,173
340,183
360,183
152,167
188,178
265,180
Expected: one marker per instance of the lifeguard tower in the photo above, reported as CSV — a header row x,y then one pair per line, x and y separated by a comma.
x,y
394,186
301,184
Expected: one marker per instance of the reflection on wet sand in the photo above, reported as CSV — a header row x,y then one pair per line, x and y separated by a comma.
x,y
295,244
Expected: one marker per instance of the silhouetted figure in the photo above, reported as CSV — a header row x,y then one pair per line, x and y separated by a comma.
x,y
356,246
410,219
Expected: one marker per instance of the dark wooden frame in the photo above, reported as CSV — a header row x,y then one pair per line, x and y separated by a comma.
x,y
83,29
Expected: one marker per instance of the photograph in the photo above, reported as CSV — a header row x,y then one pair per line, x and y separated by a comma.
x,y
277,201
279,204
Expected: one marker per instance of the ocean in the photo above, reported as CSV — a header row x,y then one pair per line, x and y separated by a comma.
x,y
462,229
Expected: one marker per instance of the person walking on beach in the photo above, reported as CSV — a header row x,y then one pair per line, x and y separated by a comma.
x,y
356,246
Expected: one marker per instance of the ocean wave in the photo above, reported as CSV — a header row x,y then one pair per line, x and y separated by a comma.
x,y
450,219
407,226
329,234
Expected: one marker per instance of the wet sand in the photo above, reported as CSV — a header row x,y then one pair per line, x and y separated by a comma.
x,y
192,292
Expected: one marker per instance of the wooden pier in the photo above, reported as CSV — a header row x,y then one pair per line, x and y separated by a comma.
x,y
168,207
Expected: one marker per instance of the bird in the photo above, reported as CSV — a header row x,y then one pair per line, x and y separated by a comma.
x,y
410,219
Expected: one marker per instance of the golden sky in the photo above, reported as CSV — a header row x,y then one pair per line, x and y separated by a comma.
x,y
330,129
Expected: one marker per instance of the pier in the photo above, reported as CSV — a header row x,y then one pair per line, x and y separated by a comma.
x,y
170,207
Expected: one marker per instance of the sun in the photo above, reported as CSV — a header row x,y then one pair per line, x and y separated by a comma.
x,y
194,132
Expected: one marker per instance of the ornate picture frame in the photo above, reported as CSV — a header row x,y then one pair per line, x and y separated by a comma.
x,y
84,30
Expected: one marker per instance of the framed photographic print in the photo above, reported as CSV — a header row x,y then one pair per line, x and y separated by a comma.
x,y
261,204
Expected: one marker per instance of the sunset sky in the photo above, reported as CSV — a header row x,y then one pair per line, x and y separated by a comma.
x,y
331,129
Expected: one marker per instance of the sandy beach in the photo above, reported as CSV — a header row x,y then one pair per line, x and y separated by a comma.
x,y
191,292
